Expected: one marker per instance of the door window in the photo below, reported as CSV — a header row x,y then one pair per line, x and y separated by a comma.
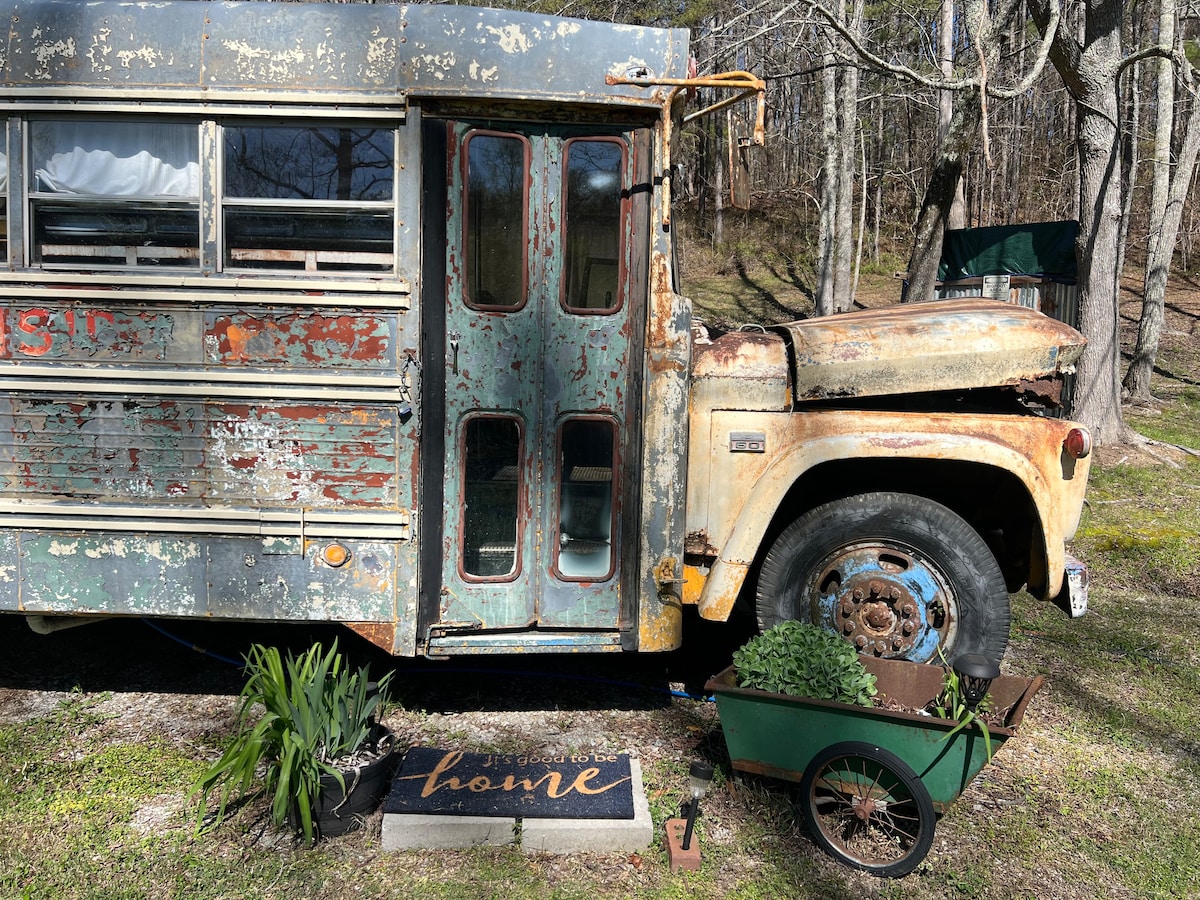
x,y
594,212
585,511
496,218
491,454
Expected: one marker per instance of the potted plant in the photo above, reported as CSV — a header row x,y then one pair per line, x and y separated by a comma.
x,y
324,760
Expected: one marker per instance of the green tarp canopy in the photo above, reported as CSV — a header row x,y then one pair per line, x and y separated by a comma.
x,y
1040,248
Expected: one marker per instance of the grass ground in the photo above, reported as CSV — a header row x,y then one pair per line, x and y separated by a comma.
x,y
102,730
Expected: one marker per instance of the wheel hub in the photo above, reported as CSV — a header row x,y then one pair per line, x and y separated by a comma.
x,y
864,808
885,602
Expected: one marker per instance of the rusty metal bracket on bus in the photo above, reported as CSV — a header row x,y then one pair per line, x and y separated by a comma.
x,y
744,83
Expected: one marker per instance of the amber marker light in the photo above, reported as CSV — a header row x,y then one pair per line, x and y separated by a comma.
x,y
336,555
1078,443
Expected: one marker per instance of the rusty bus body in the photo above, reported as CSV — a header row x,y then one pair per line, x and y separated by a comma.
x,y
367,314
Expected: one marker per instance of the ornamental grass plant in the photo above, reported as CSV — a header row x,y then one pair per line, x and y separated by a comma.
x,y
298,719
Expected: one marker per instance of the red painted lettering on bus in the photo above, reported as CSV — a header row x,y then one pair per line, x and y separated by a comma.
x,y
33,323
92,316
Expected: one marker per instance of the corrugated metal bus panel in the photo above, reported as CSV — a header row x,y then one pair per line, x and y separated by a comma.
x,y
1059,300
356,53
188,576
195,452
200,336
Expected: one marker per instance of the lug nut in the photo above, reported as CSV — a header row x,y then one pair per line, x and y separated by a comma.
x,y
861,642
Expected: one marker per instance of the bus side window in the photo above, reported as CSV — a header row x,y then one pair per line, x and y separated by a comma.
x,y
309,199
115,193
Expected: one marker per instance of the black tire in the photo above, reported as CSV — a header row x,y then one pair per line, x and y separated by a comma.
x,y
867,808
896,574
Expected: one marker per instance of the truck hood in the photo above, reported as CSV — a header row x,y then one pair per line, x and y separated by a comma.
x,y
936,346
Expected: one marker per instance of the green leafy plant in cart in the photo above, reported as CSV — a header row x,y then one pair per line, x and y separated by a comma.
x,y
317,715
951,704
804,660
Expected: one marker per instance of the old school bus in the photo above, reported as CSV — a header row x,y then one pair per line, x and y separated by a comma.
x,y
369,313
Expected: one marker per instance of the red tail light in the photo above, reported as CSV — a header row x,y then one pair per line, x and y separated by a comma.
x,y
1078,443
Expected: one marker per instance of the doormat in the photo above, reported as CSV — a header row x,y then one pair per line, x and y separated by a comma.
x,y
432,780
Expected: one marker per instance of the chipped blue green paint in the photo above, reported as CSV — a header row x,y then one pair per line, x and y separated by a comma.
x,y
201,576
195,453
537,363
54,331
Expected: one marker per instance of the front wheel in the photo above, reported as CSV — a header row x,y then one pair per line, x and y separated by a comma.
x,y
898,575
867,808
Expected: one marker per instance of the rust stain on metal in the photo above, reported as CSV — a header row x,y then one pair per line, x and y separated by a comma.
x,y
381,634
308,339
662,325
944,345
696,544
746,354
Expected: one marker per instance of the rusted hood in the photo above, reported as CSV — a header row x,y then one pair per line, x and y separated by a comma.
x,y
936,346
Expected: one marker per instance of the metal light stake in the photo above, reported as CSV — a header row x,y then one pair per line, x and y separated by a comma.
x,y
701,775
975,675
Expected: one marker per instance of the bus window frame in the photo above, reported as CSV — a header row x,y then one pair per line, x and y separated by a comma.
x,y
95,203
223,201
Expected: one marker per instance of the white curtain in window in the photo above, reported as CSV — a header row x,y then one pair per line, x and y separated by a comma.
x,y
3,173
117,159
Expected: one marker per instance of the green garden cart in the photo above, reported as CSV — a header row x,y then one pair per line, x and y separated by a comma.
x,y
872,779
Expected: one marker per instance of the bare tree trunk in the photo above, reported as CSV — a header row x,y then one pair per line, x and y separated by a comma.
x,y
946,103
878,200
1158,266
718,183
825,292
847,97
1166,191
944,181
1130,158
1090,68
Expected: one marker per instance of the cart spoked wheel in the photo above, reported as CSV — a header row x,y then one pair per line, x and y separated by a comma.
x,y
867,808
